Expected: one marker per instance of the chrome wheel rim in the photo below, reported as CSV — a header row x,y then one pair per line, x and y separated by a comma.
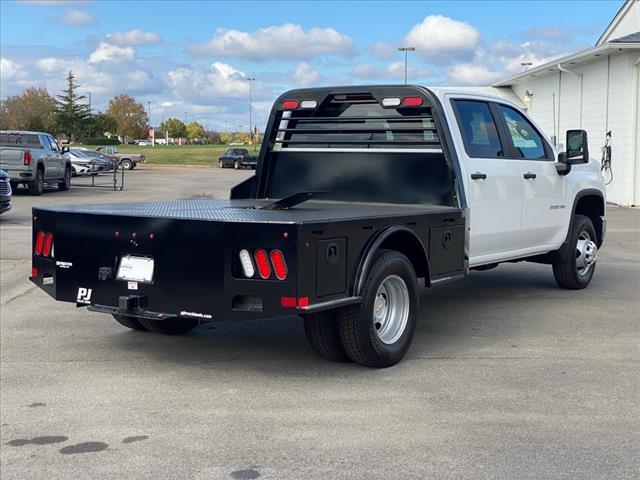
x,y
391,309
586,253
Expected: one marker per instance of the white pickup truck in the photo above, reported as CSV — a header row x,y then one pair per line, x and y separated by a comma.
x,y
361,194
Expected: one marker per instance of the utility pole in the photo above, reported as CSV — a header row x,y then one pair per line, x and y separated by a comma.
x,y
406,50
89,95
250,80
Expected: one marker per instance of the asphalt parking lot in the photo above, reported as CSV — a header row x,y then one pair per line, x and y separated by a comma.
x,y
508,377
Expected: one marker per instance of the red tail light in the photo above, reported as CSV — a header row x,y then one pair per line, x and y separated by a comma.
x,y
288,302
27,158
39,243
279,265
262,261
34,272
412,101
290,104
48,243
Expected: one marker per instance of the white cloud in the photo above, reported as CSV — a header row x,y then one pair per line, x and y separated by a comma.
x,y
383,51
392,71
133,37
78,17
111,53
51,64
437,36
305,76
8,69
472,74
207,87
286,41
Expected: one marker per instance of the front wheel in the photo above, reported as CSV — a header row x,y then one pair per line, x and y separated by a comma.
x,y
378,331
236,165
170,326
576,270
220,164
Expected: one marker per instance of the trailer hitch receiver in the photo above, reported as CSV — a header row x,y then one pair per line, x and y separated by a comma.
x,y
133,302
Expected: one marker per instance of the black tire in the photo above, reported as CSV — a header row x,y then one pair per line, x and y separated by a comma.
x,y
65,184
236,165
360,337
170,326
130,322
323,336
126,164
220,164
37,186
569,273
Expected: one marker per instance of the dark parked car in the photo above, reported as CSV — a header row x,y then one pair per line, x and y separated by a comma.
x,y
5,192
237,158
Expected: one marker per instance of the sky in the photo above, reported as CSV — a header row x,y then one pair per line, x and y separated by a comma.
x,y
192,59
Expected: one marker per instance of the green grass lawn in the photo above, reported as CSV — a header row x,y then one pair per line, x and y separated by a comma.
x,y
179,154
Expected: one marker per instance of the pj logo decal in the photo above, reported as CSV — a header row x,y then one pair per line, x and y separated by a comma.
x,y
84,296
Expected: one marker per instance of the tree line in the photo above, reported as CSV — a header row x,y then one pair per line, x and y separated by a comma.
x,y
70,115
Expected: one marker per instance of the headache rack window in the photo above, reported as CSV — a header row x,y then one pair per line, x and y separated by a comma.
x,y
357,125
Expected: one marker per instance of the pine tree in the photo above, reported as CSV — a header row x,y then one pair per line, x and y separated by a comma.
x,y
71,113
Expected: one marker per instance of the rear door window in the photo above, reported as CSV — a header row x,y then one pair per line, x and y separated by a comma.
x,y
525,140
478,128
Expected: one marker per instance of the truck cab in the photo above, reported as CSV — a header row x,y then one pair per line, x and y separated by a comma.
x,y
520,194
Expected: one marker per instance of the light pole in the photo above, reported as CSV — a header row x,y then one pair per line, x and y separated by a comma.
x,y
89,95
250,80
406,50
525,65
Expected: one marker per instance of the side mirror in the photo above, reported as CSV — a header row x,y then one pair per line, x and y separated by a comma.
x,y
65,149
577,147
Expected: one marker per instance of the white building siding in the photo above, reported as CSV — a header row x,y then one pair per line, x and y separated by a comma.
x,y
628,24
586,107
636,195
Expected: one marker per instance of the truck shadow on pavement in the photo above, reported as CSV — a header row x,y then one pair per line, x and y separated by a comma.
x,y
455,320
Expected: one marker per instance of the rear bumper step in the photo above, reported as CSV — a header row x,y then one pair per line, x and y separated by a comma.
x,y
138,313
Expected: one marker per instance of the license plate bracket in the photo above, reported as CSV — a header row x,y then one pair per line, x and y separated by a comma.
x,y
134,268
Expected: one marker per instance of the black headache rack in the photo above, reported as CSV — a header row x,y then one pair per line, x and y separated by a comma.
x,y
345,126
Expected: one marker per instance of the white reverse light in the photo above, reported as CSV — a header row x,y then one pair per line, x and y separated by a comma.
x,y
308,104
390,102
247,264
